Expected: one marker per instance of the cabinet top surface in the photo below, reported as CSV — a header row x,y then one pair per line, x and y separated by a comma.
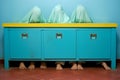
x,y
63,25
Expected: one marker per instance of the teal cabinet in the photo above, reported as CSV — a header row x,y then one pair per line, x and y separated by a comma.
x,y
25,43
93,43
59,44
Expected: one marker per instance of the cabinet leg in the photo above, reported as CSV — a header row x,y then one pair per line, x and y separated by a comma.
x,y
6,64
113,64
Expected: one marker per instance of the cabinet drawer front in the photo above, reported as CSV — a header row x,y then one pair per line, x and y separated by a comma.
x,y
59,44
93,43
25,43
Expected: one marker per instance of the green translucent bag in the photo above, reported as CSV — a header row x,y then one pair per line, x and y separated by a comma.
x,y
80,15
58,15
34,16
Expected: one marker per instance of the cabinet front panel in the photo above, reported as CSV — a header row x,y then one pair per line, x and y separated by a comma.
x,y
93,43
59,44
25,43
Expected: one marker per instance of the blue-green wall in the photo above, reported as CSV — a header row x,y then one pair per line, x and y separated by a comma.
x,y
99,10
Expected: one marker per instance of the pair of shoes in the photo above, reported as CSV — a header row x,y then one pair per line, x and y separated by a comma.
x,y
75,67
22,66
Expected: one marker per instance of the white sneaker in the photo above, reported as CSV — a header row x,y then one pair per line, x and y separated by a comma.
x,y
74,66
80,67
31,66
59,67
22,66
106,67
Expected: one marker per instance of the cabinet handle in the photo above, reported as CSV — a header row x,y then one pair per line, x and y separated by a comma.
x,y
93,36
59,35
24,35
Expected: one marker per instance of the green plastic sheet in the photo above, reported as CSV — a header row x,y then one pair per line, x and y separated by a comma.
x,y
34,16
80,15
58,15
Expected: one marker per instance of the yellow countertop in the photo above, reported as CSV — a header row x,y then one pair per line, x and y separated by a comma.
x,y
60,25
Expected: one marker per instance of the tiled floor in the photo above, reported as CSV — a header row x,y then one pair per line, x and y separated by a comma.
x,y
89,73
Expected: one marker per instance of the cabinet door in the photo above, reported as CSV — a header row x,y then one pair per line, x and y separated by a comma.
x,y
25,43
93,43
59,44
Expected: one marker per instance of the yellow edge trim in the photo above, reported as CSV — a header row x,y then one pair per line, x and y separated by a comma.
x,y
59,25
